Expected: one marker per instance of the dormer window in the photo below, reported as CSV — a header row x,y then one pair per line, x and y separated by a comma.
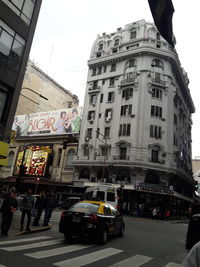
x,y
116,43
133,34
100,47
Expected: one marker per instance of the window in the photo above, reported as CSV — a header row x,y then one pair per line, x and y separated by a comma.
x,y
11,45
155,131
157,77
86,151
101,98
100,47
157,63
158,36
133,34
103,82
154,155
123,151
108,114
175,140
70,156
89,133
93,99
3,101
112,81
116,43
131,63
107,132
94,71
23,8
70,104
59,157
99,54
127,93
175,119
91,115
104,151
125,130
99,70
157,93
113,67
126,110
110,96
156,111
98,129
10,159
104,68
95,85
114,50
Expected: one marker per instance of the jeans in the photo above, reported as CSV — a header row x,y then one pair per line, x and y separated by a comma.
x,y
6,222
47,216
24,213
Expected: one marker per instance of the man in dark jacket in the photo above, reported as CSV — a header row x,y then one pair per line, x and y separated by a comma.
x,y
39,206
50,204
9,206
26,208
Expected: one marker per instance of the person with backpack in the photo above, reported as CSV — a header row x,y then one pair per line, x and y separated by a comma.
x,y
8,208
26,208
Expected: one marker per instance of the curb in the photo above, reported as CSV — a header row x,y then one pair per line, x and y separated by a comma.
x,y
34,230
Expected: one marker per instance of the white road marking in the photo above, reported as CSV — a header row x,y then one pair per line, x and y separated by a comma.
x,y
56,251
88,258
23,240
2,265
33,245
135,261
173,264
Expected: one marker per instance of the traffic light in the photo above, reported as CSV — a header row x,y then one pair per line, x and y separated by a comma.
x,y
196,185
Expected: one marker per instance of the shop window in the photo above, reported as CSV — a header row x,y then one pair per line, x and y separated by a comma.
x,y
70,157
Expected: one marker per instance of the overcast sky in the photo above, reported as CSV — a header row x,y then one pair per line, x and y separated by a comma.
x,y
67,29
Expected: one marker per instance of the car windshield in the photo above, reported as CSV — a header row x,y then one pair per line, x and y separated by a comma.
x,y
84,207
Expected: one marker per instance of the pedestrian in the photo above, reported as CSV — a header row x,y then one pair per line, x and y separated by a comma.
x,y
50,205
167,215
193,232
27,204
39,206
8,208
193,257
154,213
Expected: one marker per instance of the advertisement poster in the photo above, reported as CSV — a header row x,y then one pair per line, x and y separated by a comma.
x,y
35,160
55,122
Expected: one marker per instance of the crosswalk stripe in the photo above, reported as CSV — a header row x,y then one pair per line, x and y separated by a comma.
x,y
173,264
89,258
33,245
23,240
2,265
56,251
135,261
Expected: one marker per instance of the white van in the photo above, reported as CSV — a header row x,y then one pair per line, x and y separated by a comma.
x,y
103,192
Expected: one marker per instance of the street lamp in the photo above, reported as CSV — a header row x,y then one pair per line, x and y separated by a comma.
x,y
40,95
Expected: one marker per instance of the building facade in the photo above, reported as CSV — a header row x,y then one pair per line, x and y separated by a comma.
x,y
42,93
17,25
136,127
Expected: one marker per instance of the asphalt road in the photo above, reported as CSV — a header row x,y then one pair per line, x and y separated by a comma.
x,y
146,243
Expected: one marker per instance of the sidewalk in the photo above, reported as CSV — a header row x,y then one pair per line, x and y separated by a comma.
x,y
15,226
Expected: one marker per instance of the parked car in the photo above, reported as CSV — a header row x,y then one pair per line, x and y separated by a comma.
x,y
68,202
94,219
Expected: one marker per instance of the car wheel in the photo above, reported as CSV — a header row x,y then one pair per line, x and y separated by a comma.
x,y
68,237
121,231
103,237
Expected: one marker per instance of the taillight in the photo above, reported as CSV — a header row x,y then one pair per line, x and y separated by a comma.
x,y
93,218
62,216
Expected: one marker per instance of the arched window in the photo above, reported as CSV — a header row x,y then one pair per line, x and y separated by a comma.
x,y
10,159
70,156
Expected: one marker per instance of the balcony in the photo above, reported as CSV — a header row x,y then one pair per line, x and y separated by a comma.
x,y
129,81
120,157
93,89
158,82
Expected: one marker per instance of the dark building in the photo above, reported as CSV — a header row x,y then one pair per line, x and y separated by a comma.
x,y
18,21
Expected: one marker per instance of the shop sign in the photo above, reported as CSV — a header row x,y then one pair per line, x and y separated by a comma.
x,y
153,189
55,122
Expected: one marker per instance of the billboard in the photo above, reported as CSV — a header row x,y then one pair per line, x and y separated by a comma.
x,y
55,122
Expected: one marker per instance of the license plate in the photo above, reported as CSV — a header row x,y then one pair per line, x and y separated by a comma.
x,y
76,219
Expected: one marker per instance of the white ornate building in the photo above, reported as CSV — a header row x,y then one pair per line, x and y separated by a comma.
x,y
136,126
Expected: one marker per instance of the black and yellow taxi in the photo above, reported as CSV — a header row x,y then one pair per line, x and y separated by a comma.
x,y
95,219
